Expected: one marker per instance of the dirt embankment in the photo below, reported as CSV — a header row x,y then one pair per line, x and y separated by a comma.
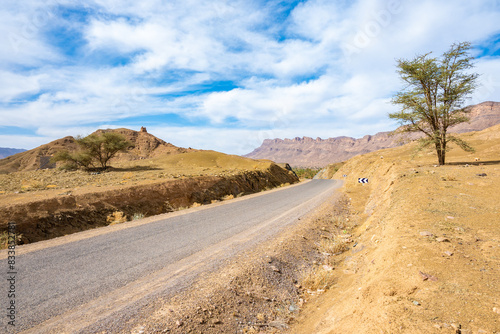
x,y
427,247
66,213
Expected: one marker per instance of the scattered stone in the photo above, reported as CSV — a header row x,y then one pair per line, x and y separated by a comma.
x,y
216,321
426,234
426,277
179,323
482,174
275,269
416,303
496,310
327,267
442,239
448,253
450,217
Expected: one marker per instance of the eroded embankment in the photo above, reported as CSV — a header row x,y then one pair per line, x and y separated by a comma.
x,y
426,255
65,214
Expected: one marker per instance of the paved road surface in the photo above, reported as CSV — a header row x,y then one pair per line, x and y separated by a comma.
x,y
82,285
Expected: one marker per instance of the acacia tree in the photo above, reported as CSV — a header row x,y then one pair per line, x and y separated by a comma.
x,y
95,150
432,101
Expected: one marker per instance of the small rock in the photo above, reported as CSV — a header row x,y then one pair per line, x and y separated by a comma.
x,y
426,277
450,217
426,234
179,323
496,310
442,239
482,174
327,267
216,321
275,269
448,253
438,326
416,303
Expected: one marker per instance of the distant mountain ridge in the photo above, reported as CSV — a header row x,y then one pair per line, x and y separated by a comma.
x,y
5,151
309,152
144,145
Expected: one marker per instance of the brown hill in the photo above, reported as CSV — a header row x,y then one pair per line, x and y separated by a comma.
x,y
309,152
145,146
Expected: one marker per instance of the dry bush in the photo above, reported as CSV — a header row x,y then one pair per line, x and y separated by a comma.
x,y
116,217
228,197
318,278
332,246
195,205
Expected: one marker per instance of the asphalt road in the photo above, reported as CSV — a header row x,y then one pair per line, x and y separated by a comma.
x,y
74,286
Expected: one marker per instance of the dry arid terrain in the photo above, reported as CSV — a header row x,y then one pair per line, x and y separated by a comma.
x,y
416,250
52,202
427,255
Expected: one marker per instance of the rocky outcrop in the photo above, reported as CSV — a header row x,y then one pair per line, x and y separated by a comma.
x,y
309,152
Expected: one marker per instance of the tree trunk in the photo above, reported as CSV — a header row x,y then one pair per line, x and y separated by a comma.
x,y
441,152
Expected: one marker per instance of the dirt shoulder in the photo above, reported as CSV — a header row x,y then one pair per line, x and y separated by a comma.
x,y
259,290
427,246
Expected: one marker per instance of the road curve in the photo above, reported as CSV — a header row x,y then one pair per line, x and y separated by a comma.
x,y
81,286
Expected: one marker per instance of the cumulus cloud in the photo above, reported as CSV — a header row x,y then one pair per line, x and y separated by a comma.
x,y
241,70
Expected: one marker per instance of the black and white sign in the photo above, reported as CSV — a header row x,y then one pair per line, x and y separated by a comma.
x,y
362,180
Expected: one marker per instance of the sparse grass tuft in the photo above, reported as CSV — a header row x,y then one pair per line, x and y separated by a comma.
x,y
137,216
318,278
332,246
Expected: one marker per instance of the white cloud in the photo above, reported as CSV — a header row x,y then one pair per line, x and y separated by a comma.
x,y
328,69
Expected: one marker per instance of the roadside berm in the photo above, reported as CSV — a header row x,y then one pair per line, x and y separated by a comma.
x,y
49,213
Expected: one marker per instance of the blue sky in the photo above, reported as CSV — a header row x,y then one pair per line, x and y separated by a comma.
x,y
223,75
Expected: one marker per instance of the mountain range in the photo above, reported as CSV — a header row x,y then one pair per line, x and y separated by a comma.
x,y
309,152
5,151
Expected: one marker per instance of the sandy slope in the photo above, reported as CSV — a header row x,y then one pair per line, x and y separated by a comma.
x,y
427,257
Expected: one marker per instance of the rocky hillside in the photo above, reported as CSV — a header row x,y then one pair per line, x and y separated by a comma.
x,y
5,151
309,152
144,145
